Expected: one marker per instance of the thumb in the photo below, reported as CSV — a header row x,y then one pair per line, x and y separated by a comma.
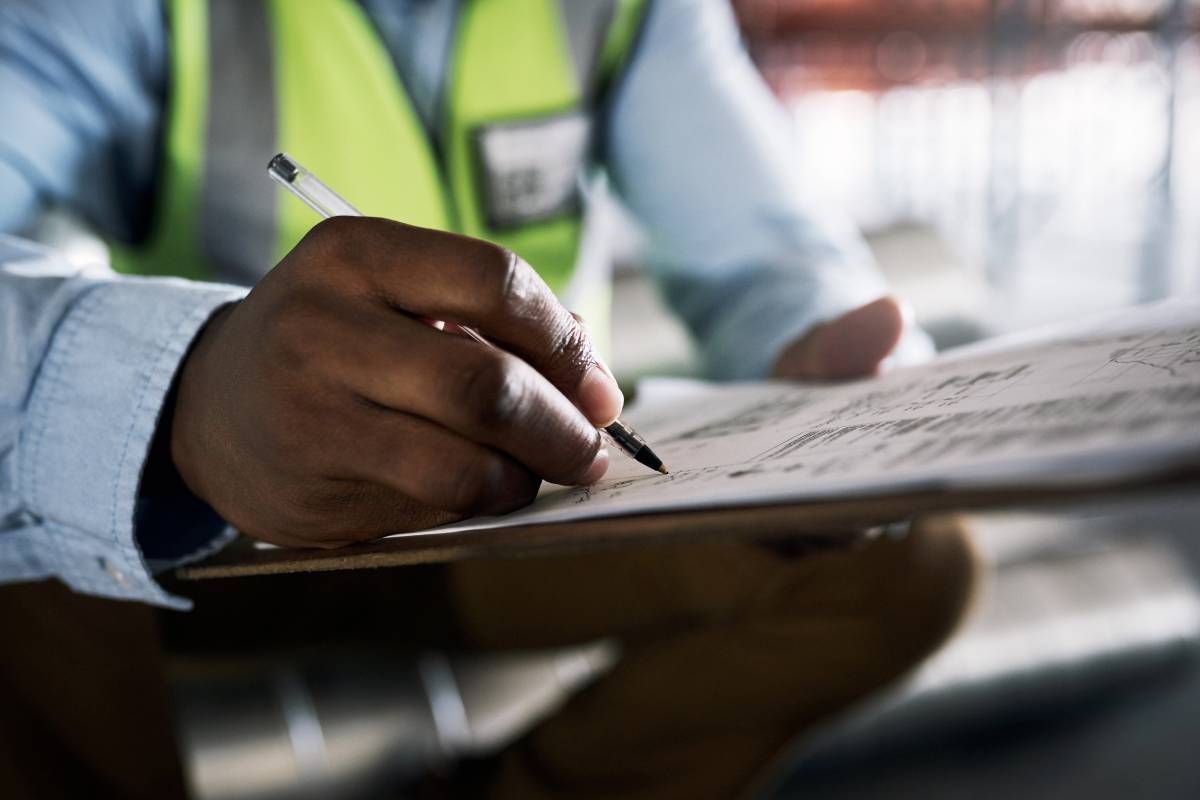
x,y
850,346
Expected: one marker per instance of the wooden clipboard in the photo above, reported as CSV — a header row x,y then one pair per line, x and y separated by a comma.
x,y
829,519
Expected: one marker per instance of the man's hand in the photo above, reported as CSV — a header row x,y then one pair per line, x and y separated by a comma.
x,y
321,410
852,346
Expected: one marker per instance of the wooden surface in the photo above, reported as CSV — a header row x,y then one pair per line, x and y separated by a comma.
x,y
826,519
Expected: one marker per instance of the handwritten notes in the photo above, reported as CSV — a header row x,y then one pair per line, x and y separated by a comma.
x,y
1115,397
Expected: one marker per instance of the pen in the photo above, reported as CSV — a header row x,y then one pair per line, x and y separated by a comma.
x,y
328,203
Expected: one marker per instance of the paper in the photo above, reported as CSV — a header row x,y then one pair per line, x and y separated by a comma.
x,y
1118,396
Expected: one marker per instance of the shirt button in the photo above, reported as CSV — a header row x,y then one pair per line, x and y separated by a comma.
x,y
115,573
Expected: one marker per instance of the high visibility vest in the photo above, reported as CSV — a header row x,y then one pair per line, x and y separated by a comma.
x,y
514,147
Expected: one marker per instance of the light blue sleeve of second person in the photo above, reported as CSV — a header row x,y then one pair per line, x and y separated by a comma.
x,y
698,149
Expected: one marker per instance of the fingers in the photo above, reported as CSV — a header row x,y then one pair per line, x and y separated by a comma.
x,y
400,474
856,343
353,511
482,394
325,408
850,346
434,466
475,283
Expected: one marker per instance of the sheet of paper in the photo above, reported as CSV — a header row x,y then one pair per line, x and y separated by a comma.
x,y
1114,397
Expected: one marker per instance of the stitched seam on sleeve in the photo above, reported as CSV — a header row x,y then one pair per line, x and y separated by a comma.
x,y
44,397
146,379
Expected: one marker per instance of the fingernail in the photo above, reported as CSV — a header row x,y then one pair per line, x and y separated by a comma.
x,y
600,399
596,471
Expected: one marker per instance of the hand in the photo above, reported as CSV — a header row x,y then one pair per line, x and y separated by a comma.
x,y
852,346
321,410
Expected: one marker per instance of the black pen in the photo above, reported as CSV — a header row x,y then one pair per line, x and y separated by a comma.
x,y
328,203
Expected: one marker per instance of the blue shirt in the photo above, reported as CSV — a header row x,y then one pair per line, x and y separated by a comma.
x,y
697,149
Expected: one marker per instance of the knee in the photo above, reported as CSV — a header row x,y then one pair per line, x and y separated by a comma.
x,y
933,576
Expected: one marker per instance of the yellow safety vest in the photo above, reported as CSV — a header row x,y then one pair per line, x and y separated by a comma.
x,y
515,139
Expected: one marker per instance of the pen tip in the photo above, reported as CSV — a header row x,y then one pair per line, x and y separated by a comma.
x,y
663,469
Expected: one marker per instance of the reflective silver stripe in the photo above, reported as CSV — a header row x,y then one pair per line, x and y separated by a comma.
x,y
588,23
238,205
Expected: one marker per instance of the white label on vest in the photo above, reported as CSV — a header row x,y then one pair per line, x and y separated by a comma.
x,y
530,168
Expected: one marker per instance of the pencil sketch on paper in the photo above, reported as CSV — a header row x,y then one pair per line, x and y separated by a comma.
x,y
1101,400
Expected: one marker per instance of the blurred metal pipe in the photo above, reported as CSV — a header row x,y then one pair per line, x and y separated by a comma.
x,y
1158,245
356,726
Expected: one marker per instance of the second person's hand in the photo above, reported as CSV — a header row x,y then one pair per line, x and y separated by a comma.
x,y
321,410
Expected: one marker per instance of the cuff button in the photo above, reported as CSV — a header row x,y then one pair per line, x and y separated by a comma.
x,y
114,572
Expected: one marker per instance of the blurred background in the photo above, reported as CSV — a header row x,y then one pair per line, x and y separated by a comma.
x,y
1044,143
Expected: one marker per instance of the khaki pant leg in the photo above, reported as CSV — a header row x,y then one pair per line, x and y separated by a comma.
x,y
729,652
83,699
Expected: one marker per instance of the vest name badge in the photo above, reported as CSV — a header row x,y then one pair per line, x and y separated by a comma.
x,y
530,169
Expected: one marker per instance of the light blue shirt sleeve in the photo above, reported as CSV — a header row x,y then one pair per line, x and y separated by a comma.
x,y
698,149
86,357
86,360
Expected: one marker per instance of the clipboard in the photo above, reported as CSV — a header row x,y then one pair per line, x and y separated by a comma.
x,y
820,521
1128,382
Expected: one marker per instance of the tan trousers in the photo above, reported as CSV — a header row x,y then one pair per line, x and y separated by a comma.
x,y
729,651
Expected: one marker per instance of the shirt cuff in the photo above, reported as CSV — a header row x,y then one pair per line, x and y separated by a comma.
x,y
91,418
